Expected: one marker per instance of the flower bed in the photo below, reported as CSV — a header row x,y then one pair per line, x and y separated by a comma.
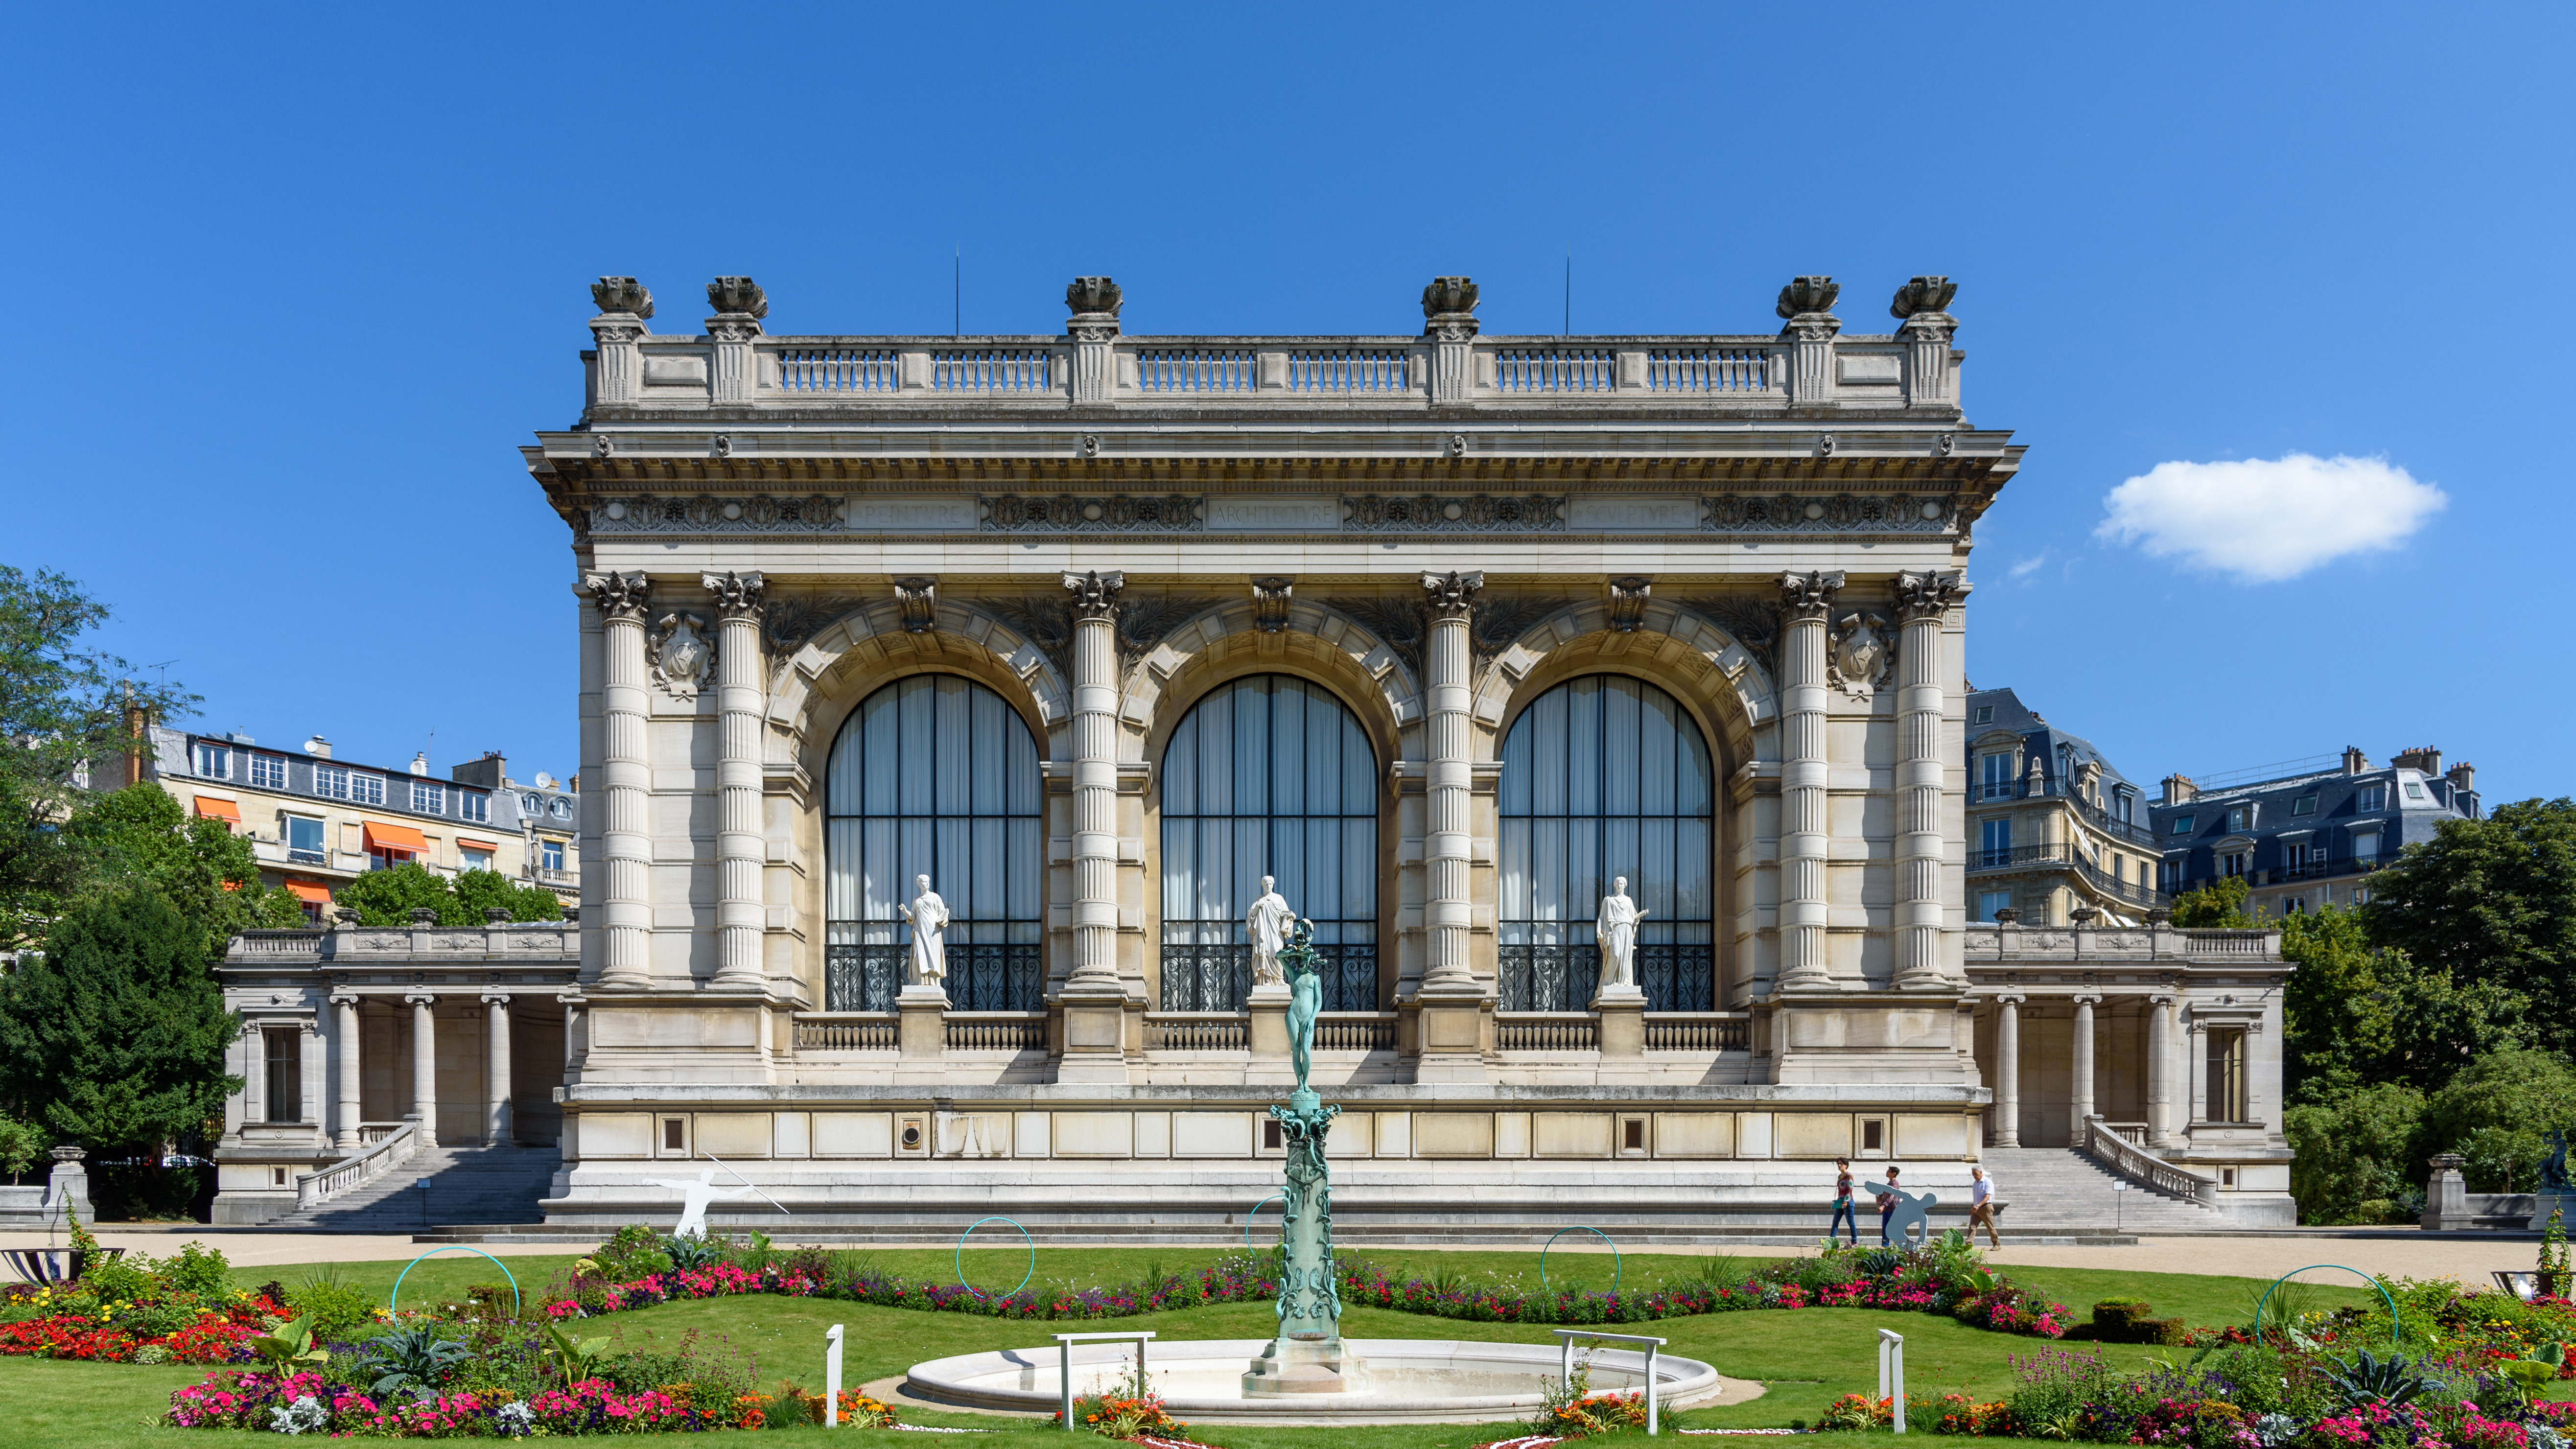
x,y
137,1309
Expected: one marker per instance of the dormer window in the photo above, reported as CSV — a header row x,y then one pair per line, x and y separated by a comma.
x,y
214,762
2414,790
2240,817
2182,824
2372,798
2305,805
1985,714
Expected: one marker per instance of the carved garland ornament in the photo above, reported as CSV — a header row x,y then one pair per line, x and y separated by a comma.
x,y
1841,512
1065,513
1483,513
703,514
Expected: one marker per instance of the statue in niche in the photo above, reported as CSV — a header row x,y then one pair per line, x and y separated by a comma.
x,y
928,915
1617,932
1268,924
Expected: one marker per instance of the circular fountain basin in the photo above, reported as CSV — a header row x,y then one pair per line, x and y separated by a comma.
x,y
1409,1380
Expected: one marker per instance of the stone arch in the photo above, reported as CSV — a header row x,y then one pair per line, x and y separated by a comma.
x,y
1316,643
827,676
1707,669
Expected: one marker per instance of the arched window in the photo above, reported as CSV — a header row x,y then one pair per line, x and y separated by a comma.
x,y
934,775
1268,776
1605,776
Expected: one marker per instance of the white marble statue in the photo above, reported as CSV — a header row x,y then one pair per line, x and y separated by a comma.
x,y
1617,931
929,917
694,1197
1268,924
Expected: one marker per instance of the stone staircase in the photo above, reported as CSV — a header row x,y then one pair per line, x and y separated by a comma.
x,y
2054,1190
437,1186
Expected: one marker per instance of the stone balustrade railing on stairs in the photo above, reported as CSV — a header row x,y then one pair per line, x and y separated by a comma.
x,y
2104,1144
360,1168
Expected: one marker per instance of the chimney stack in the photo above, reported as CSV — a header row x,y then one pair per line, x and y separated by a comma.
x,y
2179,789
2354,761
2464,776
2421,757
318,747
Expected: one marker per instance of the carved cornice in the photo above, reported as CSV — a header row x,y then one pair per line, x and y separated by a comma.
x,y
1809,595
1451,596
1095,595
737,595
619,595
1928,594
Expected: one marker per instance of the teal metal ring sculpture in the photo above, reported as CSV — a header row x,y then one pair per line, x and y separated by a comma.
x,y
2396,1328
1278,1197
959,1259
394,1302
1616,1271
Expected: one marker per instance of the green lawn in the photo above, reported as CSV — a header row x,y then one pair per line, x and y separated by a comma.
x,y
1806,1358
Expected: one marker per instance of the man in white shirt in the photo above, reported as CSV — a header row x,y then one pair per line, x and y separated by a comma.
x,y
1981,1205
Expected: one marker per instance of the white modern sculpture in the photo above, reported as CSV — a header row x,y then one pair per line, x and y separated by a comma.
x,y
1268,923
1617,932
694,1197
929,917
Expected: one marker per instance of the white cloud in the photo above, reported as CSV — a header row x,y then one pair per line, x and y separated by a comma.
x,y
2267,521
2031,565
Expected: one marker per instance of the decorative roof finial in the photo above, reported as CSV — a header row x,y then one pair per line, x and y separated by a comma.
x,y
738,295
1094,296
622,294
1807,295
1923,294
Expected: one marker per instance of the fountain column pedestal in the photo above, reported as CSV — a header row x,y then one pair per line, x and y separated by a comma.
x,y
1308,1356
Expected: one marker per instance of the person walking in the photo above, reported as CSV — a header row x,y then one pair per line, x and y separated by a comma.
x,y
1887,1200
1981,1205
1844,1211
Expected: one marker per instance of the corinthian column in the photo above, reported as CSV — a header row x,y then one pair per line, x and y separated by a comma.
x,y
1805,600
1446,843
621,599
739,913
1923,602
1095,777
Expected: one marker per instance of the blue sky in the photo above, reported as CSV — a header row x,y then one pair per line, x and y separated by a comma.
x,y
293,285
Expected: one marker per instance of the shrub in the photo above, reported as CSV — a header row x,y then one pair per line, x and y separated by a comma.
x,y
635,1252
334,1306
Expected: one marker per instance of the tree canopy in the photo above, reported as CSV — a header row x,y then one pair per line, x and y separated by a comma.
x,y
2491,900
388,897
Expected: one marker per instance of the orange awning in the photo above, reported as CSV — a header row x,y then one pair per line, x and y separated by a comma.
x,y
381,836
485,846
312,893
210,808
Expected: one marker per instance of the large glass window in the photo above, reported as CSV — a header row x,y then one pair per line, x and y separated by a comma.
x,y
1268,776
935,775
1605,776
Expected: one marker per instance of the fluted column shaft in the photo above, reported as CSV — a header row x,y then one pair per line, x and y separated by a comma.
x,y
2160,1073
2080,1093
2008,1071
626,902
497,1127
1922,606
740,915
1806,601
424,1066
1095,778
1447,843
345,1019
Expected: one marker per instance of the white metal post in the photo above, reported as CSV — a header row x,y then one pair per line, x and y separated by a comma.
x,y
1064,1377
1891,1375
1650,1388
1565,1362
832,1379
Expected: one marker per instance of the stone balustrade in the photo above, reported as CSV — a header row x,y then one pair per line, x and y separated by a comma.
x,y
1982,941
516,940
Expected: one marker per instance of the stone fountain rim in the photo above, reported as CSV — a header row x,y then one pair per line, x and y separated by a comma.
x,y
937,1381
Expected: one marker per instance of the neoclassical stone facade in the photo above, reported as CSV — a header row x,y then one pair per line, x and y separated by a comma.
x,y
1443,631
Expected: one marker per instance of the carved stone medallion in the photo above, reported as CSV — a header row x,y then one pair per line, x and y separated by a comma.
x,y
683,656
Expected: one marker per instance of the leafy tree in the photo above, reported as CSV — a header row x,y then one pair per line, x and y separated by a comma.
x,y
2356,1154
21,1144
2491,900
114,1038
2217,906
388,897
2496,1111
2359,1014
63,712
140,835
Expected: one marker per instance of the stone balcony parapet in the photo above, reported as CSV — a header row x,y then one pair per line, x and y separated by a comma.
x,y
1985,941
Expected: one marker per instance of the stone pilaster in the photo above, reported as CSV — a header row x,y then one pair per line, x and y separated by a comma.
x,y
1805,602
625,905
1453,1003
739,304
1095,1028
1923,603
1926,328
1093,303
624,307
424,1065
740,914
348,1109
1449,321
498,1128
1806,304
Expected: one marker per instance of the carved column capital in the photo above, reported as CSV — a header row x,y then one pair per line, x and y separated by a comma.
x,y
1809,595
737,595
1095,594
1928,594
619,595
489,998
420,998
1452,596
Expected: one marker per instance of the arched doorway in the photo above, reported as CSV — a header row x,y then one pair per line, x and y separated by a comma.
x,y
1605,776
1269,775
934,775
